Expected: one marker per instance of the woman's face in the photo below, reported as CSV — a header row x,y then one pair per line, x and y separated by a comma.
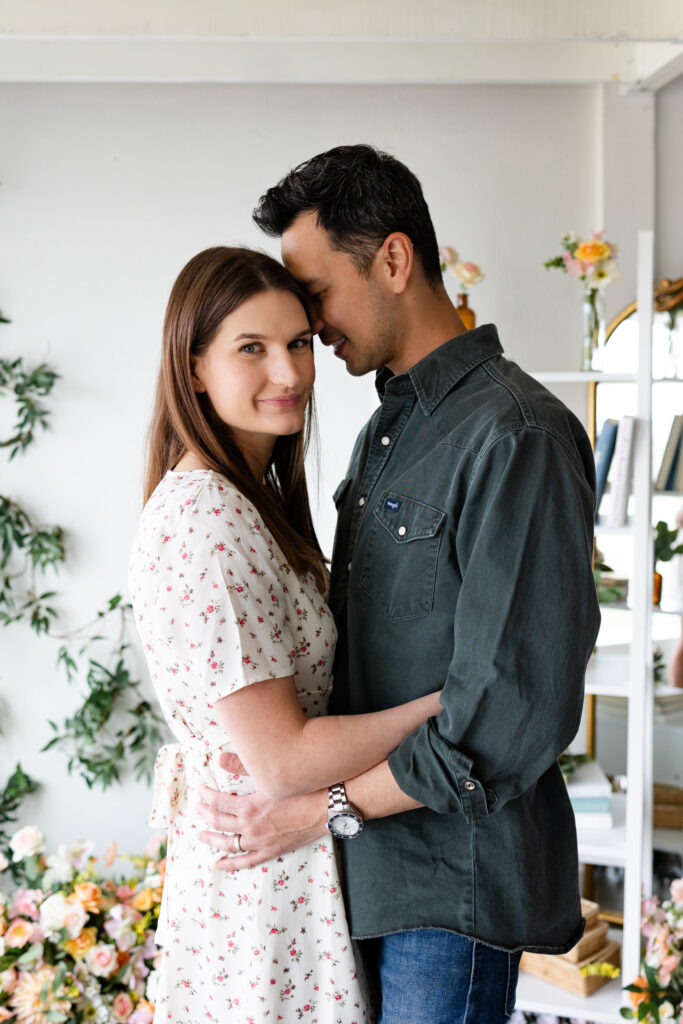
x,y
258,371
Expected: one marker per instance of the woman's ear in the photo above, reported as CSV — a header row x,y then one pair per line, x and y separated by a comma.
x,y
197,383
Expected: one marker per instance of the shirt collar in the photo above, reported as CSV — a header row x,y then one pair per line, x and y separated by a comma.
x,y
435,375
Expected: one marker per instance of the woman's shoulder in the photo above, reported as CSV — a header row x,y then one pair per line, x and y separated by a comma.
x,y
192,491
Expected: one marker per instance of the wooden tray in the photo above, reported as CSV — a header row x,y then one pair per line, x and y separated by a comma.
x,y
667,816
590,911
589,944
568,976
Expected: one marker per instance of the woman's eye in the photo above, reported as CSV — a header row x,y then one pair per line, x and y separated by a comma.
x,y
249,349
300,343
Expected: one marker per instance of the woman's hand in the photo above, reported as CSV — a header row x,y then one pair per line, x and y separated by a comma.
x,y
267,828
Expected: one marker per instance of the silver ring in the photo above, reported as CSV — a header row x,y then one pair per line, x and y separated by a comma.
x,y
237,848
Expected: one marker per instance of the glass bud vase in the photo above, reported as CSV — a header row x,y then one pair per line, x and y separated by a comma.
x,y
593,329
464,312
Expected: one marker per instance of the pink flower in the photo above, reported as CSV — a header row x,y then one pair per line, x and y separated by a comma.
x,y
8,980
677,890
122,1007
25,904
574,268
19,933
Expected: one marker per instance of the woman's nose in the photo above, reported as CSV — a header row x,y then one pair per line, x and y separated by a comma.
x,y
284,370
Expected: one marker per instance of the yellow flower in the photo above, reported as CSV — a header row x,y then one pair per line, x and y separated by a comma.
x,y
25,1000
78,947
593,252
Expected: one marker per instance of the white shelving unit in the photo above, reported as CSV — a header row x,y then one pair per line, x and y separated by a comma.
x,y
625,671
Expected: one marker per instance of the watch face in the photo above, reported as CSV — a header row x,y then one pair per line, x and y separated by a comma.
x,y
345,825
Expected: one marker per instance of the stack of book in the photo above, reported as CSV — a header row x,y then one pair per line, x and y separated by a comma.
x,y
614,449
590,792
565,969
670,476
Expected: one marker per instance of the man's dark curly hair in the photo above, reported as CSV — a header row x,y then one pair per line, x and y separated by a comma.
x,y
361,195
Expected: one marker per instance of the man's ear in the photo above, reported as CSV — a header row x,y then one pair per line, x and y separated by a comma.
x,y
397,258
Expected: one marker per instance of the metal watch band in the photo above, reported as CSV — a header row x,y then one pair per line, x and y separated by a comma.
x,y
336,799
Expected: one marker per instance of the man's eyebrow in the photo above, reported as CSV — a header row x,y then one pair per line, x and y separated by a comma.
x,y
311,281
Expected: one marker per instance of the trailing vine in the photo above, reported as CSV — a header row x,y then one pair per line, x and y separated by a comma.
x,y
95,747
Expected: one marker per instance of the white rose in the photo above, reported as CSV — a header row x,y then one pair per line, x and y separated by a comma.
x,y
4,863
152,986
101,960
666,1011
26,842
56,912
59,870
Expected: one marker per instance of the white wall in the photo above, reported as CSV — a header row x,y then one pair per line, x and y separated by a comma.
x,y
108,190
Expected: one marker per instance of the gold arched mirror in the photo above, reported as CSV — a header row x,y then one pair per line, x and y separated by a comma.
x,y
621,351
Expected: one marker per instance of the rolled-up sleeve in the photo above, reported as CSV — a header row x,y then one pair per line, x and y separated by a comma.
x,y
525,624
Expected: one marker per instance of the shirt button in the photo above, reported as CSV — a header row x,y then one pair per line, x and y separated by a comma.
x,y
470,785
402,530
349,566
386,440
361,502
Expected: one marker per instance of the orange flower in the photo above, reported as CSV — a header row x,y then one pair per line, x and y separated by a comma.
x,y
78,947
593,252
19,932
145,899
88,895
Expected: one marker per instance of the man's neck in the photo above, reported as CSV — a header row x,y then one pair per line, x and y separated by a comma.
x,y
429,319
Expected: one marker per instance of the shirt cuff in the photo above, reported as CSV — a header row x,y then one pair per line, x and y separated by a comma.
x,y
429,769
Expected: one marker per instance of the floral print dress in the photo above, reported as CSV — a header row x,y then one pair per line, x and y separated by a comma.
x,y
217,608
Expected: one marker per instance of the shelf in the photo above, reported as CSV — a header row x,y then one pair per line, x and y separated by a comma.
x,y
602,527
608,672
582,377
668,840
536,996
606,845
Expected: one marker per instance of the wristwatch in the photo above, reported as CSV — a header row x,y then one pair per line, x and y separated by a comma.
x,y
343,819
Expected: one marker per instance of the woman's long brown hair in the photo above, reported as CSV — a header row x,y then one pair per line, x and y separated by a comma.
x,y
212,285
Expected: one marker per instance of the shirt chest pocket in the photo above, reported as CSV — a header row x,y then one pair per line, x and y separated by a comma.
x,y
401,555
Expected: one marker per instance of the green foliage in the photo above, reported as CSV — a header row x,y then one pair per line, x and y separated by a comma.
x,y
35,549
608,593
569,763
95,749
664,543
28,389
17,788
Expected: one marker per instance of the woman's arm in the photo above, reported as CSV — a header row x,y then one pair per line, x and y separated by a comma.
x,y
287,753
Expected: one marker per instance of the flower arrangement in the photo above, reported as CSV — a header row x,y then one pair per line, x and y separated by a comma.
x,y
468,274
657,994
592,261
76,945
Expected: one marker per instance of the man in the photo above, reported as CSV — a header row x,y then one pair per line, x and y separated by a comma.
x,y
462,560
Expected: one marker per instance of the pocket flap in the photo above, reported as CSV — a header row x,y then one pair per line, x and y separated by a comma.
x,y
407,519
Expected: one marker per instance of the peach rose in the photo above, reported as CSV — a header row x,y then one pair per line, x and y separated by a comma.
x,y
145,899
19,932
101,960
677,890
79,946
144,1013
8,980
593,251
88,895
122,1007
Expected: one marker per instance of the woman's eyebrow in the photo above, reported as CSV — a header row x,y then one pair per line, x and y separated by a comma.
x,y
248,336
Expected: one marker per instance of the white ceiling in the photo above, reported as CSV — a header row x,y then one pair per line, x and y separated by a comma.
x,y
638,43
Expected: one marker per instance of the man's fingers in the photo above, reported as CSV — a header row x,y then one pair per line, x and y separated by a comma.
x,y
218,820
218,840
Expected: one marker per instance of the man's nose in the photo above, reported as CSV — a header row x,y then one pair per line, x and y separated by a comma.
x,y
317,322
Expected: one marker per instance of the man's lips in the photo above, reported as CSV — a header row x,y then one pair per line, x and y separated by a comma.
x,y
337,344
282,401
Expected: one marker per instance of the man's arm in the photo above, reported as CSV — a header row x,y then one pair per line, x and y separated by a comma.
x,y
270,828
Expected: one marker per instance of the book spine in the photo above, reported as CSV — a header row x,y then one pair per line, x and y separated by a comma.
x,y
604,450
621,482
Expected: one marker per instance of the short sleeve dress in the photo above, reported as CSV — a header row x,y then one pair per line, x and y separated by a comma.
x,y
217,607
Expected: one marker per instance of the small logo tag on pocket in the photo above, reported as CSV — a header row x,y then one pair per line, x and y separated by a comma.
x,y
392,504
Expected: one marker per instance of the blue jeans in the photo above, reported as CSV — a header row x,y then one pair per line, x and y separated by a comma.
x,y
433,976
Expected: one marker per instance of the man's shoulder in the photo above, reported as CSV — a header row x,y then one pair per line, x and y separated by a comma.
x,y
499,398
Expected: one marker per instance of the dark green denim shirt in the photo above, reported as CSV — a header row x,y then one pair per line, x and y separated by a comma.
x,y
463,561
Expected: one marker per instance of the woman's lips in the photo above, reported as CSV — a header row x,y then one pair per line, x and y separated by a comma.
x,y
282,401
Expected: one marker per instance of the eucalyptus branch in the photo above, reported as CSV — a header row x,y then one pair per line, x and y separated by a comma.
x,y
28,389
36,548
95,749
18,786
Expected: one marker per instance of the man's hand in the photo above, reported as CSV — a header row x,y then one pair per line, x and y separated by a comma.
x,y
267,828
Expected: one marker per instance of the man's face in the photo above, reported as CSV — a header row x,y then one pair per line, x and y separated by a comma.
x,y
352,313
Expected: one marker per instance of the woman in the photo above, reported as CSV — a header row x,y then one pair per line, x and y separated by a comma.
x,y
227,581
